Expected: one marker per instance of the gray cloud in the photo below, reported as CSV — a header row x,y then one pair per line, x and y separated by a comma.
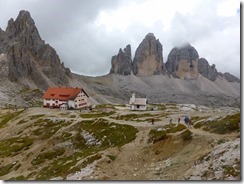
x,y
84,47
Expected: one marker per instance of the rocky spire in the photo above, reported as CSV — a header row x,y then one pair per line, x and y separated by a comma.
x,y
210,72
183,62
121,63
148,58
28,56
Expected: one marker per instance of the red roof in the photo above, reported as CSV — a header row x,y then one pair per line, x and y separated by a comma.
x,y
61,93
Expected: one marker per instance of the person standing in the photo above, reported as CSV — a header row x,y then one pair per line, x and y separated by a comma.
x,y
170,121
178,120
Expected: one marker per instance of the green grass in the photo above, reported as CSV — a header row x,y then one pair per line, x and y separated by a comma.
x,y
97,115
18,178
49,155
37,116
112,157
90,160
11,146
228,124
6,118
109,134
47,128
186,135
133,117
22,121
155,135
103,106
160,107
106,133
172,106
8,168
174,128
230,170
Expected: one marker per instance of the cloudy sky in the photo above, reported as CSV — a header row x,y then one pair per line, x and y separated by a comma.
x,y
87,33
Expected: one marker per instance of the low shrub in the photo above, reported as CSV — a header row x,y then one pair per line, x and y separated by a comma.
x,y
112,157
6,118
49,155
132,117
228,124
174,128
186,135
10,147
6,169
155,135
97,115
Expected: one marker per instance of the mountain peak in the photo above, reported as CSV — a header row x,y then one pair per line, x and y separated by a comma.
x,y
183,62
121,63
23,26
148,58
28,57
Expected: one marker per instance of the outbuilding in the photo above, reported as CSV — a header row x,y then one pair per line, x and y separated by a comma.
x,y
139,104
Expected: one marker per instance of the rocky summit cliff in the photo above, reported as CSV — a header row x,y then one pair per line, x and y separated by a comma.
x,y
183,62
26,59
148,58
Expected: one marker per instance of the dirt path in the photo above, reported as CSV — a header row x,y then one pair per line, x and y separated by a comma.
x,y
168,160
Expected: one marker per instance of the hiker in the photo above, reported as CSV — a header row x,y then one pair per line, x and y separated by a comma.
x,y
178,120
186,120
152,121
170,121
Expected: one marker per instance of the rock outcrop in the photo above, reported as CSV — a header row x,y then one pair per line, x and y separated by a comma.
x,y
182,62
27,55
121,63
148,58
229,77
210,72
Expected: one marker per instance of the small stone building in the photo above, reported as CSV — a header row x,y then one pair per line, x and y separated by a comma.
x,y
139,104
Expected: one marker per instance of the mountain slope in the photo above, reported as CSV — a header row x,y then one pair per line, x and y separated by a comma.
x,y
162,89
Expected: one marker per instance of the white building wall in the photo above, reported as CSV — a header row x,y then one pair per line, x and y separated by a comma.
x,y
53,102
81,101
140,108
71,103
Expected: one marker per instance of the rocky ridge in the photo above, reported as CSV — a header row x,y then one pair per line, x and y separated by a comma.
x,y
183,62
26,59
26,62
148,59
